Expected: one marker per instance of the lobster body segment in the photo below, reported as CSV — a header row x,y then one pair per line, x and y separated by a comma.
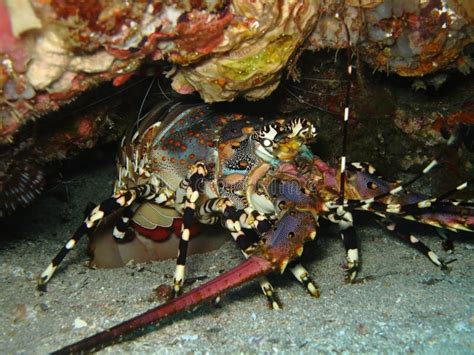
x,y
284,243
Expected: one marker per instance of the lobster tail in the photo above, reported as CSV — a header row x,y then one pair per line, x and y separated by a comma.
x,y
248,270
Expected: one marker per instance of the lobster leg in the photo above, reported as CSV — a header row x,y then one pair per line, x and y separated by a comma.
x,y
121,226
436,211
413,241
302,276
112,204
342,216
345,221
251,222
212,207
269,292
349,238
192,183
432,202
446,240
243,234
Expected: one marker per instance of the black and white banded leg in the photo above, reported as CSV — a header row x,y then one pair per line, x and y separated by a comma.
x,y
123,223
342,216
194,182
253,224
349,239
163,195
438,202
269,293
302,275
414,242
244,227
221,208
105,208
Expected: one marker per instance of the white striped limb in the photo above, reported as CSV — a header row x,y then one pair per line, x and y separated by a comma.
x,y
119,201
302,275
193,187
414,242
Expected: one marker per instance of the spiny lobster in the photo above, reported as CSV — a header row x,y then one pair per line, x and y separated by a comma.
x,y
259,178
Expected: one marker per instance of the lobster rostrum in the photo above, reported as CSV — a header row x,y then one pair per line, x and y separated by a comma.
x,y
258,177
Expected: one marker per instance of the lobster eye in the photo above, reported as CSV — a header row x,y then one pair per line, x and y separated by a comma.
x,y
267,143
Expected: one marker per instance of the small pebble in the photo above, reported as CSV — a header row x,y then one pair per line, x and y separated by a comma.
x,y
189,337
23,312
18,271
164,292
462,326
256,341
19,313
79,323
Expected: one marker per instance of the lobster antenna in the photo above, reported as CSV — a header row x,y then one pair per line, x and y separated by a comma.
x,y
345,119
139,118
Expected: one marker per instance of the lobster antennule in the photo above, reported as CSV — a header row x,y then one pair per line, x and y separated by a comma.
x,y
248,270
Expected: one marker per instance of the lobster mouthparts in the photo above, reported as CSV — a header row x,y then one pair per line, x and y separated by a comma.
x,y
248,270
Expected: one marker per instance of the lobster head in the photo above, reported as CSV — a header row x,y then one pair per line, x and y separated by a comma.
x,y
283,141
